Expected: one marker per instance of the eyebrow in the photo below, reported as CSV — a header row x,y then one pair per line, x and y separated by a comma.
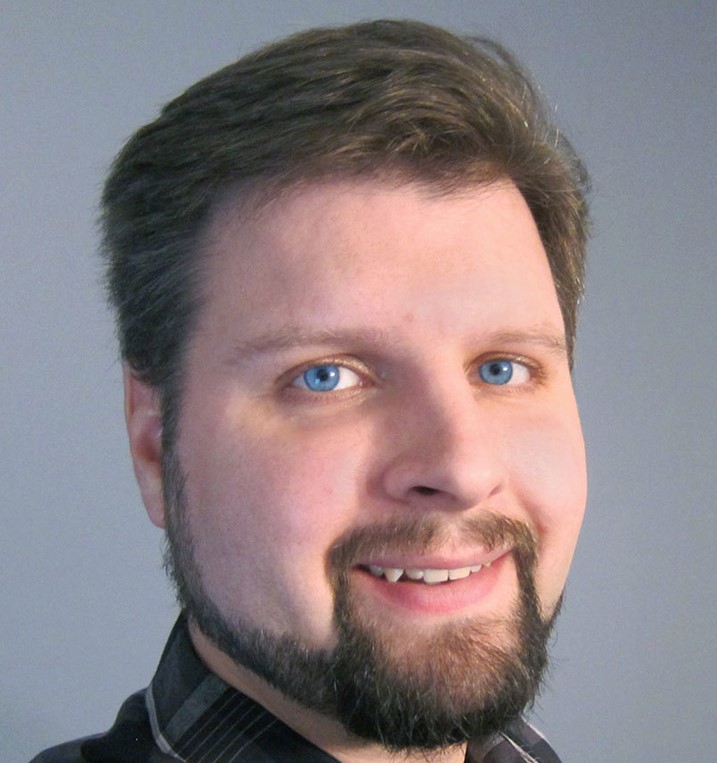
x,y
289,337
540,336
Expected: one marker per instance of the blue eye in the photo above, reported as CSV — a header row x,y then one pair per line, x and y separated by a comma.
x,y
327,377
500,372
322,378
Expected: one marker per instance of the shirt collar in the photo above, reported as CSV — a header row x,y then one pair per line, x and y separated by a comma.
x,y
195,715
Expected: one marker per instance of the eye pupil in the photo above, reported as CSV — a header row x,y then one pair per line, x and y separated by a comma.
x,y
496,372
322,378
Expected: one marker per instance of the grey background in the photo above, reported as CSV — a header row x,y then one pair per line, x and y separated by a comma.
x,y
85,609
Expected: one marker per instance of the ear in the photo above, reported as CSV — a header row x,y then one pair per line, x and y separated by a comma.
x,y
143,416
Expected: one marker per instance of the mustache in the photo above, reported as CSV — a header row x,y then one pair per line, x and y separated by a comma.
x,y
424,534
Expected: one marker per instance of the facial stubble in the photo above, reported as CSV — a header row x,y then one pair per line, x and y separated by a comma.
x,y
407,691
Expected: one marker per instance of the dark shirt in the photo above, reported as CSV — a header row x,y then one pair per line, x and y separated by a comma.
x,y
187,713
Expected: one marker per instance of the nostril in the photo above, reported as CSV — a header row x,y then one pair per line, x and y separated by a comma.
x,y
424,490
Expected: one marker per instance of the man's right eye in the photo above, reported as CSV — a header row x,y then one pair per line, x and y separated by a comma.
x,y
327,377
504,372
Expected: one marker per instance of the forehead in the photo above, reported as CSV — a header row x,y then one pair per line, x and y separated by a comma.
x,y
334,251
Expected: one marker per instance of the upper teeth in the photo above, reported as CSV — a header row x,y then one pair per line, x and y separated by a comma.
x,y
429,576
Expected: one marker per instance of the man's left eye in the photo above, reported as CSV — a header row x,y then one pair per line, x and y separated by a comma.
x,y
327,377
502,372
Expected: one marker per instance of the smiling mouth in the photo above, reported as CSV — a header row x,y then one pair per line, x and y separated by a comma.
x,y
428,576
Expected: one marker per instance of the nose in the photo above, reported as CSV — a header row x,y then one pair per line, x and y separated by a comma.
x,y
444,450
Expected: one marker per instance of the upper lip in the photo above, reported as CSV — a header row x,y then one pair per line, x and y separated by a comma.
x,y
434,561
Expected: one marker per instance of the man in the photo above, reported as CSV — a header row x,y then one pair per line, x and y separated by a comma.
x,y
346,271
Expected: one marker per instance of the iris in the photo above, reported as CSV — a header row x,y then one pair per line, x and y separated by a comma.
x,y
322,378
496,372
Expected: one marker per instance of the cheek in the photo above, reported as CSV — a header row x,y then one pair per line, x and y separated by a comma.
x,y
301,489
550,461
266,506
281,477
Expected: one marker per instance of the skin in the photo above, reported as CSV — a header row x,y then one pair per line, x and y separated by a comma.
x,y
411,293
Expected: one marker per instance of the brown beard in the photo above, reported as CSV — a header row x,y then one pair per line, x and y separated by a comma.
x,y
466,680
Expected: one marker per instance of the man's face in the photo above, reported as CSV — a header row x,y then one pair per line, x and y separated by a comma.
x,y
376,383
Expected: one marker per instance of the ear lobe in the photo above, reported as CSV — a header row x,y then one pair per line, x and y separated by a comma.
x,y
143,416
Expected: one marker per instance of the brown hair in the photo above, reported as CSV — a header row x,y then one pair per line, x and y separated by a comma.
x,y
381,98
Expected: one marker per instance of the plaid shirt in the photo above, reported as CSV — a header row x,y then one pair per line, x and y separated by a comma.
x,y
189,714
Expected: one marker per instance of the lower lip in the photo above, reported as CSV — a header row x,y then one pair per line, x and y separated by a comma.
x,y
447,598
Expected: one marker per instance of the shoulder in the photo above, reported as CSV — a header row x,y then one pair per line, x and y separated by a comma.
x,y
64,753
129,739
